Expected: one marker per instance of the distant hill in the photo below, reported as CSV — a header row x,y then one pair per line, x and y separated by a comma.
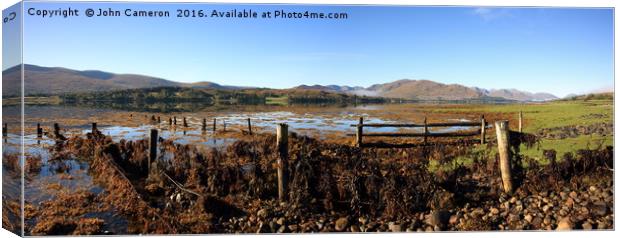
x,y
429,90
521,95
57,80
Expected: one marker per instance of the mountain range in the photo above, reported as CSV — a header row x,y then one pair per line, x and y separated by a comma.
x,y
40,80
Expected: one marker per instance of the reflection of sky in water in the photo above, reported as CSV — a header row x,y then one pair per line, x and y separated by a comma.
x,y
36,186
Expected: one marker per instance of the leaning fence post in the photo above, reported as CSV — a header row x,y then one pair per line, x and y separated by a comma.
x,y
360,132
520,121
152,148
184,122
170,121
204,124
39,131
483,125
214,125
503,138
282,145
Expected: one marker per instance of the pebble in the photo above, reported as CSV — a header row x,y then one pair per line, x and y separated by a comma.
x,y
395,227
342,223
453,219
355,228
573,194
262,213
494,211
586,226
513,200
601,225
565,224
599,208
281,221
528,218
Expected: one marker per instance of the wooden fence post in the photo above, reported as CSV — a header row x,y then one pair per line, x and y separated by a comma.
x,y
94,128
249,126
520,121
224,122
158,119
39,130
152,148
483,125
214,125
184,122
174,121
425,130
56,130
282,145
5,129
360,133
170,121
503,140
204,124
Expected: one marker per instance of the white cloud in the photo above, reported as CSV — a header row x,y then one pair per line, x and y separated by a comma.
x,y
489,14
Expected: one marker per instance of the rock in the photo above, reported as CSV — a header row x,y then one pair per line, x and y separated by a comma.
x,y
320,225
355,228
563,195
477,212
342,224
362,220
586,226
528,218
438,218
293,228
262,228
569,202
518,208
592,189
394,227
513,200
547,220
565,224
371,226
601,225
262,213
453,219
494,211
572,194
599,208
546,208
282,229
281,221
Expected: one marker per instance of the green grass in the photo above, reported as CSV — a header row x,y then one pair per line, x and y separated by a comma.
x,y
549,115
562,146
536,117
277,100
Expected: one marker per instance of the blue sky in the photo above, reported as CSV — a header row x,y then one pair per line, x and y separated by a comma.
x,y
556,50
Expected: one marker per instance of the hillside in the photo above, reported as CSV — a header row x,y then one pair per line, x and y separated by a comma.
x,y
429,90
56,80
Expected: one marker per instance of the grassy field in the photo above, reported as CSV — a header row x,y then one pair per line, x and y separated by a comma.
x,y
539,116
